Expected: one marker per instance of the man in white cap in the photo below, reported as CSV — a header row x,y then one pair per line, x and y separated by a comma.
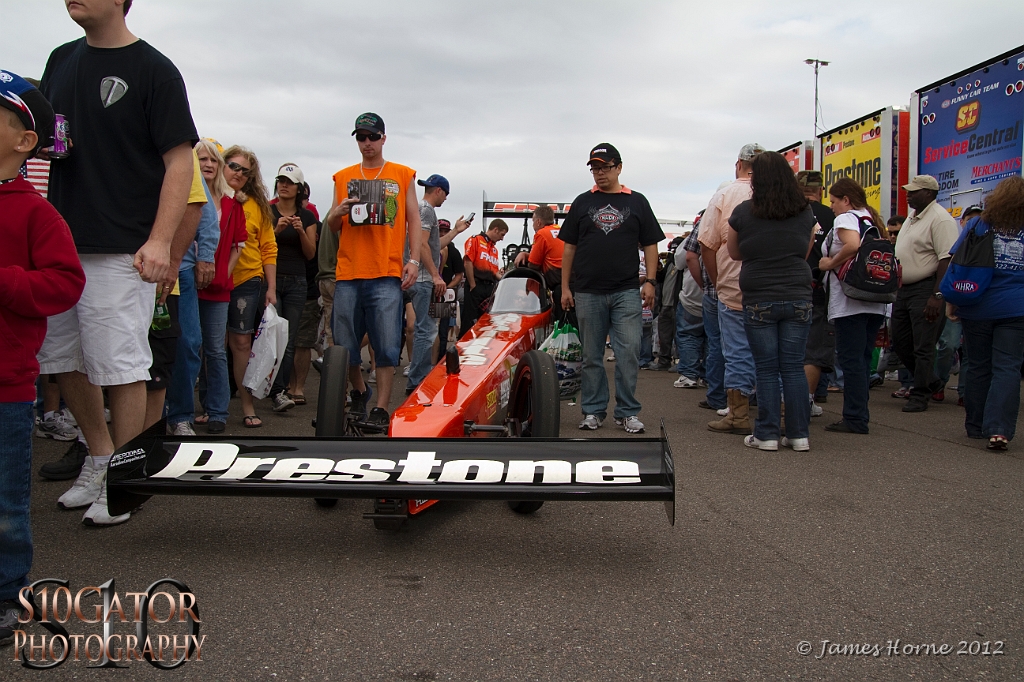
x,y
917,315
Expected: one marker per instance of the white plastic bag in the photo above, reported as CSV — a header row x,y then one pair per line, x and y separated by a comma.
x,y
267,353
564,346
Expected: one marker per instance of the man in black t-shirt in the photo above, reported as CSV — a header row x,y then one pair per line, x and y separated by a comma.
x,y
821,340
602,231
123,191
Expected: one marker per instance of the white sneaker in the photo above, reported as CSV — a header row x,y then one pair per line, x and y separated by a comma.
x,y
591,422
87,488
631,424
372,379
408,368
611,358
724,412
769,445
685,382
69,418
56,427
281,402
99,515
181,429
816,410
798,444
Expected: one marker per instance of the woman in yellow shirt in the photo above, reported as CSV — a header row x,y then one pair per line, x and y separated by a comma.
x,y
256,270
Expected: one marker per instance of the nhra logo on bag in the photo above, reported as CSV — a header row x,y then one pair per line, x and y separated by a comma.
x,y
966,287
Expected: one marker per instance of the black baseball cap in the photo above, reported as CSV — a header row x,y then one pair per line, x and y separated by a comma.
x,y
370,122
32,109
606,153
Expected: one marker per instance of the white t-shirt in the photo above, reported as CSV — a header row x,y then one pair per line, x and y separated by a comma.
x,y
838,304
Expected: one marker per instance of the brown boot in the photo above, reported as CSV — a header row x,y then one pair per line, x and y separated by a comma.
x,y
725,424
741,416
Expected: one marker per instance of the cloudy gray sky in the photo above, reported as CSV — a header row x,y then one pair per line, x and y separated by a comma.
x,y
508,97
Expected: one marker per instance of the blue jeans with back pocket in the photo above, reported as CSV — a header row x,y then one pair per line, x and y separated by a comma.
x,y
777,332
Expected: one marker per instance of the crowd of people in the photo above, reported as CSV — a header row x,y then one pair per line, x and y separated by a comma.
x,y
784,314
148,270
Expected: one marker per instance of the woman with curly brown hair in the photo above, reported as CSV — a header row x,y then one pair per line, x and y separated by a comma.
x,y
256,265
994,324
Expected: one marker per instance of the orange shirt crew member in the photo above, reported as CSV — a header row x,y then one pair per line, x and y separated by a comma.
x,y
374,210
482,264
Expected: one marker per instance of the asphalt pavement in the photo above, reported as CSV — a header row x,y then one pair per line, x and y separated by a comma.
x,y
906,537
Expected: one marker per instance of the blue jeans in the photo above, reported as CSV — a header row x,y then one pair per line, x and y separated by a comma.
x,y
618,316
996,348
369,307
181,402
855,343
714,362
777,332
646,344
945,350
689,343
426,332
16,422
739,361
291,299
214,390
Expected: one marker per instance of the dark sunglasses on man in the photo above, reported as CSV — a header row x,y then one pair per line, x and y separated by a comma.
x,y
372,137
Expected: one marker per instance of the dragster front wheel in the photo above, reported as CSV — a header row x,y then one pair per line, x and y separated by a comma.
x,y
330,409
535,403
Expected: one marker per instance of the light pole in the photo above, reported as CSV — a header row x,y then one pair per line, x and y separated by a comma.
x,y
817,64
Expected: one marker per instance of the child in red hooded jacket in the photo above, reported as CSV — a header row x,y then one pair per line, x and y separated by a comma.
x,y
40,275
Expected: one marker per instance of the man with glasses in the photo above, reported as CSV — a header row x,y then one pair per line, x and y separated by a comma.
x,y
602,231
373,210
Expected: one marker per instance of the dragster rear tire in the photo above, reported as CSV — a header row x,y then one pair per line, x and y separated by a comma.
x,y
535,400
330,409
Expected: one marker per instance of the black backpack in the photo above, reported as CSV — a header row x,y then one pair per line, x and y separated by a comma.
x,y
873,274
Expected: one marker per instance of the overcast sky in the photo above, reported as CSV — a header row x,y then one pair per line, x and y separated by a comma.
x,y
508,97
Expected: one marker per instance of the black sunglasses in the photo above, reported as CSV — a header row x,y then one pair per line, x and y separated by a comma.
x,y
239,168
372,137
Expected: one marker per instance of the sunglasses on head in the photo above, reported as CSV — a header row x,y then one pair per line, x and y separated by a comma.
x,y
372,137
239,168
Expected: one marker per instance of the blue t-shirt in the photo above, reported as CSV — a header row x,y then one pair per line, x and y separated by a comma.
x,y
1005,295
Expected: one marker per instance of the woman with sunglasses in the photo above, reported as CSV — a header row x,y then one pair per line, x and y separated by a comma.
x,y
214,390
256,267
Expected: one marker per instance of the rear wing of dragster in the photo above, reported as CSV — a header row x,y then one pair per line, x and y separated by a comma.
x,y
524,210
517,469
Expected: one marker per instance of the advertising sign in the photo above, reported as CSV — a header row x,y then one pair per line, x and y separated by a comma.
x,y
969,129
800,155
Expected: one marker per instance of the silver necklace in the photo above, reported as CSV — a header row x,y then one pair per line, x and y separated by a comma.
x,y
379,171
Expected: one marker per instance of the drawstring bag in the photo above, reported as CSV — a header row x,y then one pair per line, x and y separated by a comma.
x,y
564,346
972,266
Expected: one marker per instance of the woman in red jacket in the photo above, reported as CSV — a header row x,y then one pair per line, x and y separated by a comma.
x,y
214,391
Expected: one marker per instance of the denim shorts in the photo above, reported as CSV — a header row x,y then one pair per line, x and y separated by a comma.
x,y
245,301
372,307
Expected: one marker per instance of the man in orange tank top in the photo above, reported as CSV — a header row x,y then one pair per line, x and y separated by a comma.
x,y
374,209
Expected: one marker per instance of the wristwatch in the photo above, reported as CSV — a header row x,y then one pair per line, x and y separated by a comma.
x,y
938,295
414,262
651,282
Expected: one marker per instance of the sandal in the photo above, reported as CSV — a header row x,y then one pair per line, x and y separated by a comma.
x,y
298,399
997,443
202,419
901,393
252,421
